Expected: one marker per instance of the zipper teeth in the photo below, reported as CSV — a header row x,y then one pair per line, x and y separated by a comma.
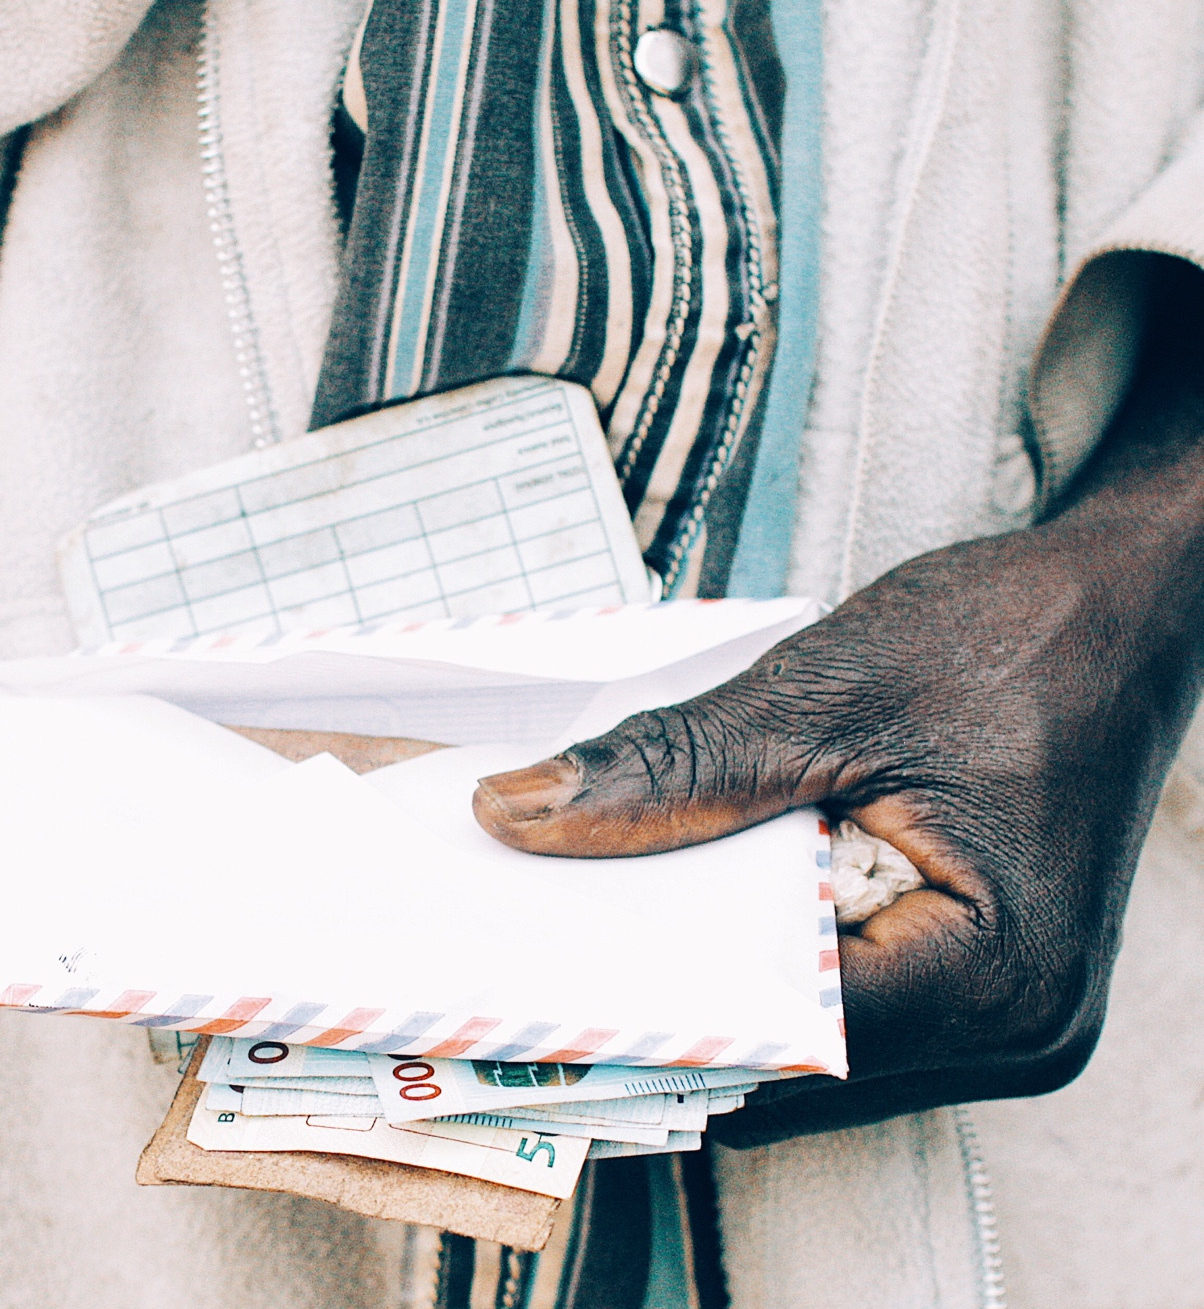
x,y
265,429
992,1288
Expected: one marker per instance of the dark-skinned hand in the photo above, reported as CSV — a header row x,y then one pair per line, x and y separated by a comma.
x,y
1003,711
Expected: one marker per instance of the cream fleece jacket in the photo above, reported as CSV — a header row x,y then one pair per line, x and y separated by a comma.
x,y
982,159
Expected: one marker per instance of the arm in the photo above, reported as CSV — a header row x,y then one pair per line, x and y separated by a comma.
x,y
1004,712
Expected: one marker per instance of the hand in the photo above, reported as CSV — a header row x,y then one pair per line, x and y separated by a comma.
x,y
1003,711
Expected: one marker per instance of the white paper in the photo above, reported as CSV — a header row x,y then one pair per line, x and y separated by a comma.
x,y
530,677
165,865
493,498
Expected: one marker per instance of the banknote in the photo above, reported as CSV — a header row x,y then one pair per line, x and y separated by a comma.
x,y
684,1112
341,1085
461,1085
591,1131
680,1112
222,1098
230,1060
412,1088
342,1121
643,1108
678,1141
258,1102
530,1161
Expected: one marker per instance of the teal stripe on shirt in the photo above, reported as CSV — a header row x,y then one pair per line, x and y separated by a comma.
x,y
762,556
541,262
439,158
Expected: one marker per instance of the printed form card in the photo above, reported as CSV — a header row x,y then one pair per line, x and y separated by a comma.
x,y
495,498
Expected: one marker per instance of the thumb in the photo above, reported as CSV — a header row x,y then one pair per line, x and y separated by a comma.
x,y
662,779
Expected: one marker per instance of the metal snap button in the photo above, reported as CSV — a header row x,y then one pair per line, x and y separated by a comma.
x,y
664,61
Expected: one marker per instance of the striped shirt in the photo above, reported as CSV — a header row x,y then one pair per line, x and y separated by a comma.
x,y
581,188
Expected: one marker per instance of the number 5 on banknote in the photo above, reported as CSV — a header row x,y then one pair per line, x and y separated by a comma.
x,y
541,1144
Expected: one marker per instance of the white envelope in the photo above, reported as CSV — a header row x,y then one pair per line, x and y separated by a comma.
x,y
166,872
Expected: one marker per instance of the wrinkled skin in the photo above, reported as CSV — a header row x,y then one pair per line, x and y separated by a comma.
x,y
1004,712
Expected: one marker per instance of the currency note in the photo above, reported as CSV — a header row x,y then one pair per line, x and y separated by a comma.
x,y
591,1131
407,1083
678,1141
257,1102
412,1088
235,1061
223,1099
340,1085
343,1121
530,1161
646,1129
680,1112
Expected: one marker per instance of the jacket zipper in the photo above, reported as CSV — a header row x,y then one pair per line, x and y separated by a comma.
x,y
264,423
992,1290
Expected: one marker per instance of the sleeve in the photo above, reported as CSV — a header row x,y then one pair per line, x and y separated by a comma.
x,y
1087,356
51,49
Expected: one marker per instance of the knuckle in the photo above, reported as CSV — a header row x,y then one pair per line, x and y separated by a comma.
x,y
658,751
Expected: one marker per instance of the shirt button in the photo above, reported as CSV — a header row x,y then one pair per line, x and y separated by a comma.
x,y
664,61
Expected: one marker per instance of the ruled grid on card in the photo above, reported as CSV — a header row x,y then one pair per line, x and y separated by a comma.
x,y
496,498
